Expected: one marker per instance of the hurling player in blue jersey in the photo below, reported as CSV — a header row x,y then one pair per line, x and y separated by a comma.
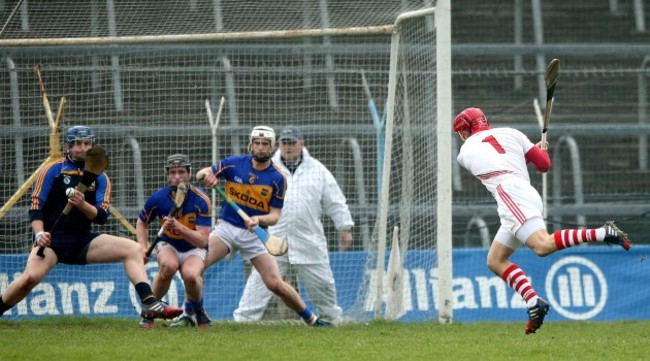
x,y
257,185
182,245
73,242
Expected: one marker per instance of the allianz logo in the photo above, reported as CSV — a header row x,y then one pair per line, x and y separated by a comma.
x,y
576,288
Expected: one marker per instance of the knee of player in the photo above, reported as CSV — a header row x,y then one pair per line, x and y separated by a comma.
x,y
132,249
541,243
274,284
541,248
492,264
192,279
168,268
543,252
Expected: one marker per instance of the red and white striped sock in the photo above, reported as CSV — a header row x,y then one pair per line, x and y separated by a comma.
x,y
517,280
573,237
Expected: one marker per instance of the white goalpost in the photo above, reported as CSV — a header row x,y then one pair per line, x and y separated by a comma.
x,y
214,125
145,84
413,126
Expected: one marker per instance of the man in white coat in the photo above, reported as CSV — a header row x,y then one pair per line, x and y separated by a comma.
x,y
311,191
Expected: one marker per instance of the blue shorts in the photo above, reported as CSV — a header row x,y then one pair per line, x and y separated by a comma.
x,y
72,248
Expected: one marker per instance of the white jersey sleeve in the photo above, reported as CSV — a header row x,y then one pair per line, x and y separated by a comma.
x,y
496,154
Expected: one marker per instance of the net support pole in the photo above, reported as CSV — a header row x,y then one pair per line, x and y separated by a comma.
x,y
444,171
384,202
384,199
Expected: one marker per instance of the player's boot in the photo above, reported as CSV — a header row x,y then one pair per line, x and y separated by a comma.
x,y
321,323
183,320
159,309
536,316
147,323
202,319
613,235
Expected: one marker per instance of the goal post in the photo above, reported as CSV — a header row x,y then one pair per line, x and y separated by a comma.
x,y
144,94
444,159
414,130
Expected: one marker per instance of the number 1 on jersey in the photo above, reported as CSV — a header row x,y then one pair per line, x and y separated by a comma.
x,y
494,143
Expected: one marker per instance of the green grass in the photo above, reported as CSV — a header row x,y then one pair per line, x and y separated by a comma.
x,y
116,339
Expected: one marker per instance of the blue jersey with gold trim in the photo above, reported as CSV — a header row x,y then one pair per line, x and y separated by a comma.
x,y
255,191
49,198
196,211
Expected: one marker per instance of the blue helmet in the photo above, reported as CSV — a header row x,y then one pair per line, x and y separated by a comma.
x,y
79,132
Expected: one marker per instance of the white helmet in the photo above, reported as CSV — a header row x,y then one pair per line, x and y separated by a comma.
x,y
262,131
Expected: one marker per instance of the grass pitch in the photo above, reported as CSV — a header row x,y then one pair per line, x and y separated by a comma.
x,y
118,339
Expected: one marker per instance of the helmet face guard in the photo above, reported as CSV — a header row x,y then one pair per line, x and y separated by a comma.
x,y
178,160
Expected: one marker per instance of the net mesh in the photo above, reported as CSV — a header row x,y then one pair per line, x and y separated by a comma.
x,y
412,184
147,101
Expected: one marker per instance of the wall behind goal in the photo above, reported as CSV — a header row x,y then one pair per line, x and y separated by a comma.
x,y
153,104
581,284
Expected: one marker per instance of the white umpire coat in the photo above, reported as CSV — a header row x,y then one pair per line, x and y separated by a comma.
x,y
311,191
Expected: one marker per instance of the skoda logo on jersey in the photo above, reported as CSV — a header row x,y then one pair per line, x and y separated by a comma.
x,y
576,288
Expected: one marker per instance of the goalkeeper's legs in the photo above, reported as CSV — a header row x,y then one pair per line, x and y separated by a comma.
x,y
35,270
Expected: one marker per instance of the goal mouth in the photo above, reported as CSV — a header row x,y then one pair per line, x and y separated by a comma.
x,y
365,94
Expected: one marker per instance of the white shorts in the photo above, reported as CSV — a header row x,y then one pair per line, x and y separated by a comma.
x,y
520,209
182,256
239,239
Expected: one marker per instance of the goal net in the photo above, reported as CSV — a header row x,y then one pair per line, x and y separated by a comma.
x,y
362,86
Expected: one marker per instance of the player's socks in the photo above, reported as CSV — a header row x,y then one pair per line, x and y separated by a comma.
x,y
195,306
145,293
574,237
3,306
188,308
517,280
307,316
